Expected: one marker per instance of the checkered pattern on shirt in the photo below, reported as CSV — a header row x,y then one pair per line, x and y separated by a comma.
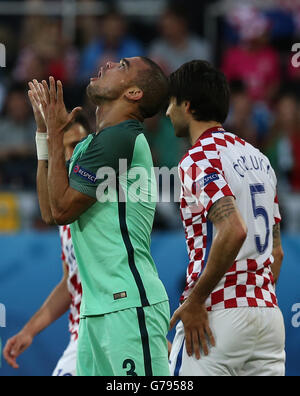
x,y
74,283
247,283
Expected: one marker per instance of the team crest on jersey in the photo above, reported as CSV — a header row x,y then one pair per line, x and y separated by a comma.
x,y
89,176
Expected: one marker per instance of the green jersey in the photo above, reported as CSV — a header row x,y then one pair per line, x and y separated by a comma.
x,y
112,238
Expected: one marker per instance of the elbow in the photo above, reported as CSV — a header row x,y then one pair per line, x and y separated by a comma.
x,y
278,254
239,234
242,234
281,255
48,219
60,218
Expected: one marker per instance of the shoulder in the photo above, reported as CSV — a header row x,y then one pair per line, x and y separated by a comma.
x,y
125,132
197,162
118,141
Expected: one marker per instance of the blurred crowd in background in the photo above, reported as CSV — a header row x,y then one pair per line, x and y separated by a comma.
x,y
253,48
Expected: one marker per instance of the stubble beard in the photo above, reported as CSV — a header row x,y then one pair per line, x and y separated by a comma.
x,y
98,97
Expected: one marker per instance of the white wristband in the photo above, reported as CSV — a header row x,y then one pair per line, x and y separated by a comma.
x,y
41,146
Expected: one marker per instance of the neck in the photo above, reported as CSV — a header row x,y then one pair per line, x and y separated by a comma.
x,y
110,114
197,128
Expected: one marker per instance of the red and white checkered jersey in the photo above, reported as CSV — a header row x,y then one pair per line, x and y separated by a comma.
x,y
221,164
74,283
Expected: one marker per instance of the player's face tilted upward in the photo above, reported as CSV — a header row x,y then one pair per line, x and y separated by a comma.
x,y
113,79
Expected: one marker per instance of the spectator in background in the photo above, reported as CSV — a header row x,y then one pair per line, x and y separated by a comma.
x,y
112,44
17,141
250,120
283,144
253,61
45,52
177,45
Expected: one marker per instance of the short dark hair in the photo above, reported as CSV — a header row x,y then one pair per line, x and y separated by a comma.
x,y
205,87
154,84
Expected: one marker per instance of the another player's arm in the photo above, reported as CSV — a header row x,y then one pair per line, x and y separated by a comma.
x,y
54,307
230,236
277,252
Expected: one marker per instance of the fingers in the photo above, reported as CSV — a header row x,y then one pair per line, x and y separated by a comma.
x,y
60,93
43,94
32,100
74,113
188,342
196,344
52,92
203,342
9,354
37,92
210,335
33,96
46,91
174,320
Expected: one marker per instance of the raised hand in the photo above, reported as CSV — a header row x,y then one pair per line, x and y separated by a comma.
x,y
35,94
56,115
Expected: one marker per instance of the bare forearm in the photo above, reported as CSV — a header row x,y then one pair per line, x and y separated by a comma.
x,y
43,193
54,307
224,251
276,266
277,252
58,181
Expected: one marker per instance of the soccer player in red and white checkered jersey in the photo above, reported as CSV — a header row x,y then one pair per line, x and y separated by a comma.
x,y
67,295
230,323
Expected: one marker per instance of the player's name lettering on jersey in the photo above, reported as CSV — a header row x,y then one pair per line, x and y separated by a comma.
x,y
251,163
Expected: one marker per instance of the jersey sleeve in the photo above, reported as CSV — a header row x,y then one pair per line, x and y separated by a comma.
x,y
203,182
101,160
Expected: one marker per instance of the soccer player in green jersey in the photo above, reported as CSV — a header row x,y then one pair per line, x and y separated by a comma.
x,y
125,309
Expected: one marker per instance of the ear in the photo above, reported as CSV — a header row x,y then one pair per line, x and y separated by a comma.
x,y
134,94
187,107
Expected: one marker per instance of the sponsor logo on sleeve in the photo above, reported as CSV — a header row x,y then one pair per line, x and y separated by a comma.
x,y
85,174
199,185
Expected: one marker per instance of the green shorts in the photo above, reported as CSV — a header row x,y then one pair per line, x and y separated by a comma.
x,y
131,342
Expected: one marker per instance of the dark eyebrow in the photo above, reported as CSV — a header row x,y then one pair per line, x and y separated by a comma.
x,y
126,62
